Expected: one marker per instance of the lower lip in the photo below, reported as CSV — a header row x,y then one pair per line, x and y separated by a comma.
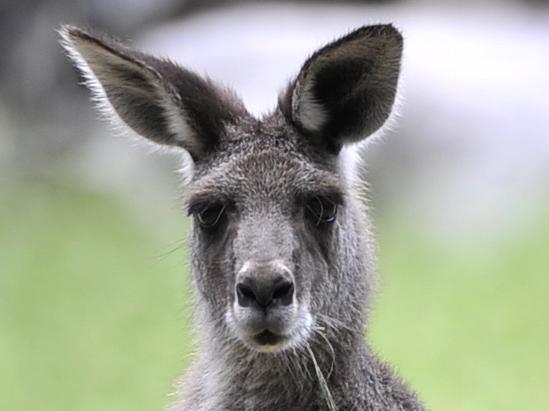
x,y
268,338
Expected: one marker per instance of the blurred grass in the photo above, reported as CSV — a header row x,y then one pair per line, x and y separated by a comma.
x,y
93,311
467,319
91,317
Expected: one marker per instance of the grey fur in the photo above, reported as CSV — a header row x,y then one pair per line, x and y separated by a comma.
x,y
272,184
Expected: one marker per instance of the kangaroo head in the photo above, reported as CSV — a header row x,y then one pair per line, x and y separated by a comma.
x,y
276,236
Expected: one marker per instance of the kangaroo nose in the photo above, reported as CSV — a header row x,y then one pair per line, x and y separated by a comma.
x,y
264,292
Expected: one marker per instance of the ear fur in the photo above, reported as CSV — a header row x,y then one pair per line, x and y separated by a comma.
x,y
156,98
345,91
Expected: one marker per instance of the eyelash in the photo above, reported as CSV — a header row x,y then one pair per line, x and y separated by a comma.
x,y
208,214
323,210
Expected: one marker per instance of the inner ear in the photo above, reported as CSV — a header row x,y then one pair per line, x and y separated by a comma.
x,y
156,98
345,91
137,94
352,98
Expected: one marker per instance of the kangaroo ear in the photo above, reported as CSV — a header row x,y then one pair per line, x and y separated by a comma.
x,y
156,98
345,91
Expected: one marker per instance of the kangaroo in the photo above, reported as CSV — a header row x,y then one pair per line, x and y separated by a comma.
x,y
281,251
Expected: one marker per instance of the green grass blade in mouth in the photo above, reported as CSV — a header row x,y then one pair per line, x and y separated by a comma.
x,y
323,383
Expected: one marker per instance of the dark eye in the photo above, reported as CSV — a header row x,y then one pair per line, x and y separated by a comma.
x,y
210,214
321,210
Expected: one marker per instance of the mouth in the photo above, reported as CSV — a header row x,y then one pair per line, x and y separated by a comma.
x,y
273,336
266,338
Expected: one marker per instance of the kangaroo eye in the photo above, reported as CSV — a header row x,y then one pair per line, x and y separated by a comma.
x,y
210,215
321,210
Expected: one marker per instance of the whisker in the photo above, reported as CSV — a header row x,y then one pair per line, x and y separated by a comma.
x,y
173,247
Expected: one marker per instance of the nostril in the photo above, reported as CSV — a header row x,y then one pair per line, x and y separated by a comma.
x,y
245,295
246,291
252,292
284,292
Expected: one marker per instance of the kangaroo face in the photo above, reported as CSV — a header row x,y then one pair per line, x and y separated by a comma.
x,y
264,219
275,236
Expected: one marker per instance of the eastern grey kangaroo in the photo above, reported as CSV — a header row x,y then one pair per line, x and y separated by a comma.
x,y
282,256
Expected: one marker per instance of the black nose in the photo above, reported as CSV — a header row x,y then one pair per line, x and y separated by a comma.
x,y
264,292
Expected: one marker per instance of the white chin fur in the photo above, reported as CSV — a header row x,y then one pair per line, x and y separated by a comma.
x,y
298,336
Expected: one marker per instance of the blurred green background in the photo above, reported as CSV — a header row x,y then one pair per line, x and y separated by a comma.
x,y
95,308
